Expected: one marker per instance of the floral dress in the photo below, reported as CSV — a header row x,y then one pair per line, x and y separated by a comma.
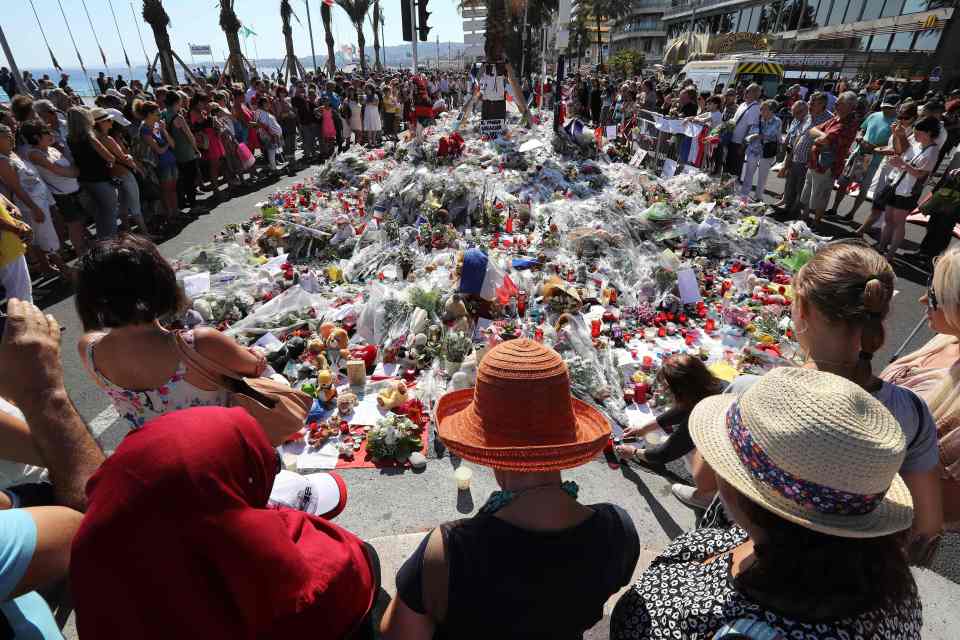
x,y
680,597
137,407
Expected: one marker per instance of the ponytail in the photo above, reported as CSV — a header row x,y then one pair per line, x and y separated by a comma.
x,y
853,284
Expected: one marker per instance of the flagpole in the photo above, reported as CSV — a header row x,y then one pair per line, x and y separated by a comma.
x,y
139,35
96,39
313,52
126,57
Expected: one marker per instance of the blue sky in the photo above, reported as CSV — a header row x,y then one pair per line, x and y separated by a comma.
x,y
192,21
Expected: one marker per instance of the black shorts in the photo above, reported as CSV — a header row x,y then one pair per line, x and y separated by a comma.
x,y
70,207
907,203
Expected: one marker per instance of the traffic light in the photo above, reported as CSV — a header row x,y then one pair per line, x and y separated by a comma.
x,y
422,15
406,18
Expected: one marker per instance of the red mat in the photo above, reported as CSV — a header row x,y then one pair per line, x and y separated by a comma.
x,y
360,460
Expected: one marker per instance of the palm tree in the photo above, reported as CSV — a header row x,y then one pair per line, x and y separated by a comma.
x,y
357,11
603,10
377,17
579,38
157,18
291,64
327,17
230,24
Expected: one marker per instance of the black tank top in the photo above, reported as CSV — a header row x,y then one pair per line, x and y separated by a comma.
x,y
506,582
92,167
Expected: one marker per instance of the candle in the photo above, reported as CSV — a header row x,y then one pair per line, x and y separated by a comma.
x,y
357,372
509,225
662,332
462,477
710,325
595,328
647,363
640,393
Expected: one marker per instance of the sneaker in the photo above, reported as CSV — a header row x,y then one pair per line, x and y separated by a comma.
x,y
687,495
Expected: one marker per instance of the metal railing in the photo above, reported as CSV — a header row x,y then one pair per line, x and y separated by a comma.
x,y
679,7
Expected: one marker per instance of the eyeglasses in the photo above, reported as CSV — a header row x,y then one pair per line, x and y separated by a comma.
x,y
932,303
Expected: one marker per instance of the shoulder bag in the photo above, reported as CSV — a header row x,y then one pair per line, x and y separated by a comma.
x,y
280,409
889,190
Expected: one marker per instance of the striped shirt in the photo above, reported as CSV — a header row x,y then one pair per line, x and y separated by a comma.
x,y
801,149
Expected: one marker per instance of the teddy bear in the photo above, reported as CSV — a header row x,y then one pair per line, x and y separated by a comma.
x,y
336,344
393,395
326,387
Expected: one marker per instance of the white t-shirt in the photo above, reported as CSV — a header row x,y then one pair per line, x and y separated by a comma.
x,y
492,87
918,157
747,115
269,122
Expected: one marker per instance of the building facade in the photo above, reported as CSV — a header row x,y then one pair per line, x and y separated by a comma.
x,y
821,39
599,39
642,30
474,29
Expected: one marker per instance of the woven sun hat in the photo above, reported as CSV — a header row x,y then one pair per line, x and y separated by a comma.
x,y
811,447
521,416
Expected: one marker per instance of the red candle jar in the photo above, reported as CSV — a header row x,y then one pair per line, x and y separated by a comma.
x,y
662,332
647,363
689,339
683,318
595,328
640,393
509,225
710,325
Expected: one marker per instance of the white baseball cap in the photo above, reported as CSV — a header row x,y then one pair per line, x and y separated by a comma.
x,y
318,494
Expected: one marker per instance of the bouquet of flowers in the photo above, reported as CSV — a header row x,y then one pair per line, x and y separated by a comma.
x,y
394,436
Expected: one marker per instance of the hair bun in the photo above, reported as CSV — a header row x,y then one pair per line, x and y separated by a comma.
x,y
875,298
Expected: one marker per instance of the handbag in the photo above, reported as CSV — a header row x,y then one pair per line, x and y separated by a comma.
x,y
889,191
770,149
280,409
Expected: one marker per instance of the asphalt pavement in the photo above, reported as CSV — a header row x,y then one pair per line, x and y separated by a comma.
x,y
394,508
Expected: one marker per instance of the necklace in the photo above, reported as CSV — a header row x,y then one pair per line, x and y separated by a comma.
x,y
500,499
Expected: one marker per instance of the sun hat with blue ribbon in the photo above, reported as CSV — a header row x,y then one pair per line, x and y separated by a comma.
x,y
811,447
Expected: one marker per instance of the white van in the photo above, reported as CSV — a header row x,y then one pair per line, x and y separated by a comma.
x,y
707,74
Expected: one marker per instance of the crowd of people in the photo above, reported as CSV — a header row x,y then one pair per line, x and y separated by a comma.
x,y
138,158
831,142
820,485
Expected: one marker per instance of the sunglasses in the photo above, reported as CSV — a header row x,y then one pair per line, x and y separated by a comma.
x,y
932,303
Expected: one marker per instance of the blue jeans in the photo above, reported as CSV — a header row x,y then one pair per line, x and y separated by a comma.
x,y
129,199
106,207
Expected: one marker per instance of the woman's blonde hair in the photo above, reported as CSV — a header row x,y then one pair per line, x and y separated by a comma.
x,y
850,283
945,400
79,124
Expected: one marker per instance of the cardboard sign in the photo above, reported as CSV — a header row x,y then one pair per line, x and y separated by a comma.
x,y
688,286
611,132
638,158
491,128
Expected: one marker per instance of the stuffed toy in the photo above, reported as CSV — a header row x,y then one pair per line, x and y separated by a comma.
x,y
326,388
393,395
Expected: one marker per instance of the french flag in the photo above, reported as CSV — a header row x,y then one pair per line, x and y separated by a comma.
x,y
481,275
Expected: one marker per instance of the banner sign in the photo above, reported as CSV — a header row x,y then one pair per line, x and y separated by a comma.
x,y
491,128
200,50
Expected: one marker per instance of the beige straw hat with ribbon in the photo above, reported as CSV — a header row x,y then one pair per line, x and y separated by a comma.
x,y
812,447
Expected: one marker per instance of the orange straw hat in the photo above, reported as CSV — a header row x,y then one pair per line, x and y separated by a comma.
x,y
521,416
